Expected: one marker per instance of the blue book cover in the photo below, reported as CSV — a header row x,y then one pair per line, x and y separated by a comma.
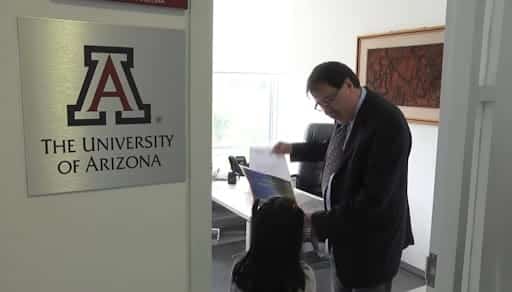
x,y
264,186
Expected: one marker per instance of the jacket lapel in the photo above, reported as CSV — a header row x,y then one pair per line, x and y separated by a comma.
x,y
361,118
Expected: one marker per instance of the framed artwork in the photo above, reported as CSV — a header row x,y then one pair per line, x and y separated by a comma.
x,y
406,68
183,4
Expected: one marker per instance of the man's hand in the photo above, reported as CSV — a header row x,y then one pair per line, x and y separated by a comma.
x,y
282,148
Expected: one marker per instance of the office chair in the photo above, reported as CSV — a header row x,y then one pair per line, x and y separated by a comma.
x,y
309,176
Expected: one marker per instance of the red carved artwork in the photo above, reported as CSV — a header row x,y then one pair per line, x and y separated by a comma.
x,y
407,76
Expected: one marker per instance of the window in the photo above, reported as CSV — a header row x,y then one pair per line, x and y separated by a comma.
x,y
243,108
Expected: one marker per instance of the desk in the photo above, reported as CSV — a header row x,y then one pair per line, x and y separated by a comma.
x,y
238,199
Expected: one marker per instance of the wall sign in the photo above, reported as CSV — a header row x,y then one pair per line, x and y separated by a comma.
x,y
103,105
166,3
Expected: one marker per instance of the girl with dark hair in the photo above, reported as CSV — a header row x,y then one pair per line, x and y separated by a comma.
x,y
273,262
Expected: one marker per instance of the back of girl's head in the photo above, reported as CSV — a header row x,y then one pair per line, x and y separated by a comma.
x,y
277,227
273,260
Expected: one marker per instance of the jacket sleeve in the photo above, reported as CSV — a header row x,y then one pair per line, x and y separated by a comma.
x,y
310,152
386,163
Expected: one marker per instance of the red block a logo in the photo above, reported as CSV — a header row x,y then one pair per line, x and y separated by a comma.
x,y
108,86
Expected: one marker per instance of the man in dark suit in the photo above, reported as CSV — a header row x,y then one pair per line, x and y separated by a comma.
x,y
364,182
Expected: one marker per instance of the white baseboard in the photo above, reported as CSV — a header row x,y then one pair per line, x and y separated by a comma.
x,y
412,269
420,289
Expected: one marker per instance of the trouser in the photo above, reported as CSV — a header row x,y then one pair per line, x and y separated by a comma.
x,y
336,285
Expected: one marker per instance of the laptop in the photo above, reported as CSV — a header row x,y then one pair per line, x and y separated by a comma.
x,y
264,186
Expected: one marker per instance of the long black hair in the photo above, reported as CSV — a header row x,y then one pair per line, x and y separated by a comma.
x,y
273,263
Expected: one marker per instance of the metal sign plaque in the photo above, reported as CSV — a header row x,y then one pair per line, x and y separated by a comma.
x,y
103,105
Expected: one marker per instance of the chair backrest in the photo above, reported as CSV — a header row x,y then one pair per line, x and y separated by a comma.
x,y
309,176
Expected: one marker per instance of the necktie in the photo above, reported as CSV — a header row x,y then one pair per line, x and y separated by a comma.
x,y
333,157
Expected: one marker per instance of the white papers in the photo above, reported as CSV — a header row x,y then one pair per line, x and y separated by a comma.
x,y
263,160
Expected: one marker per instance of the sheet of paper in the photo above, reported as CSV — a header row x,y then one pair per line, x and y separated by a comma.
x,y
262,159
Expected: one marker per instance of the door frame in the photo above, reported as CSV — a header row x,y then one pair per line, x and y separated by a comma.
x,y
199,155
463,145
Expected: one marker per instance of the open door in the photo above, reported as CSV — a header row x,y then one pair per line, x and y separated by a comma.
x,y
464,243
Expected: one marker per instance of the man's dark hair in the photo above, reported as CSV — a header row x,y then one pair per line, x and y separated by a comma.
x,y
333,74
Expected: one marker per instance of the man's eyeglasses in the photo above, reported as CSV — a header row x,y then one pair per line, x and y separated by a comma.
x,y
326,100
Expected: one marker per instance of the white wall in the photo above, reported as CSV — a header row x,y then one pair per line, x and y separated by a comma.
x,y
128,239
422,165
290,37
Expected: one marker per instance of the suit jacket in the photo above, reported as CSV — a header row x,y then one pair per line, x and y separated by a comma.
x,y
368,224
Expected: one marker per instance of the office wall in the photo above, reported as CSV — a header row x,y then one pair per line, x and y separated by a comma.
x,y
290,37
128,239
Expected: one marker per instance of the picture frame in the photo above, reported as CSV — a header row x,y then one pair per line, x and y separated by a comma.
x,y
406,68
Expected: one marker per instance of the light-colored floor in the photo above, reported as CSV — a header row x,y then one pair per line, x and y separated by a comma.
x,y
223,258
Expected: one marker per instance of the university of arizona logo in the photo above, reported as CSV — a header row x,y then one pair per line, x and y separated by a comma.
x,y
108,87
